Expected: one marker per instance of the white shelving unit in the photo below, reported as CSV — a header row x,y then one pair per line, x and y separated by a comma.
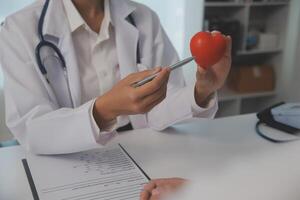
x,y
272,15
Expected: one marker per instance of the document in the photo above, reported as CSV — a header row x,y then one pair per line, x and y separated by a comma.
x,y
106,174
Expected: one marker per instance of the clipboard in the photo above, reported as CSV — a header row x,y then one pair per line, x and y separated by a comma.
x,y
34,188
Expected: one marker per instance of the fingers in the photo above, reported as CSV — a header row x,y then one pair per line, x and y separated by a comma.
x,y
150,186
160,93
145,195
157,193
150,106
161,181
147,190
158,188
215,32
153,194
226,57
168,181
229,46
136,77
201,71
154,85
142,99
228,40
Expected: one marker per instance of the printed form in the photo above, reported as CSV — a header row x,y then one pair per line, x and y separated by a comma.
x,y
106,174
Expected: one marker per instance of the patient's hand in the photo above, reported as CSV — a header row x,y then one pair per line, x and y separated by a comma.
x,y
157,189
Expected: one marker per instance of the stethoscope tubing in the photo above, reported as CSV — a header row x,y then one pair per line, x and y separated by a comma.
x,y
44,43
56,51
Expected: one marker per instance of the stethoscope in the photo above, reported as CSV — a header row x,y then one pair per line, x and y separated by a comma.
x,y
58,55
44,43
47,44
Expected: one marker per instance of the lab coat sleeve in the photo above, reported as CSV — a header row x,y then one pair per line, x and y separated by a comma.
x,y
180,103
37,122
107,132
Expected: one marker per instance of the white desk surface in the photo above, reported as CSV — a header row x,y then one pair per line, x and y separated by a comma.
x,y
202,146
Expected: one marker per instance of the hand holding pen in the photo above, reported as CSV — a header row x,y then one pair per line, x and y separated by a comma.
x,y
140,92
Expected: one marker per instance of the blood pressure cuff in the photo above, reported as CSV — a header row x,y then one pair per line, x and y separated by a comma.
x,y
267,118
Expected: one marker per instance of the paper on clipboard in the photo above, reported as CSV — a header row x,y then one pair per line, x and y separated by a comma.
x,y
107,173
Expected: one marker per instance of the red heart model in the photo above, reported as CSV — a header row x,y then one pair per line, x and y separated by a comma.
x,y
208,48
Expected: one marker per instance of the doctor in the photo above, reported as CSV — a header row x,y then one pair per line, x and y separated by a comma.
x,y
69,67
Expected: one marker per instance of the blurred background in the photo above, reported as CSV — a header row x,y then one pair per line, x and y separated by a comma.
x,y
266,47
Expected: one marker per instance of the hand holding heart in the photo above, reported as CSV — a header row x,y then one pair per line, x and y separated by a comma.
x,y
212,52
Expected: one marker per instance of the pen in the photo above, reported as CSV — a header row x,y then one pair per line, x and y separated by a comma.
x,y
172,67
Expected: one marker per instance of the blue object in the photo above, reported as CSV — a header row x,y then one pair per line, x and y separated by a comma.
x,y
288,114
9,143
284,119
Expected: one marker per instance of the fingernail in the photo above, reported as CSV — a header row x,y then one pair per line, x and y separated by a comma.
x,y
215,31
168,69
157,69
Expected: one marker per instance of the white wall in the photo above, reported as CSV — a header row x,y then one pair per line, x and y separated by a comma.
x,y
8,7
294,90
171,14
181,20
290,83
193,21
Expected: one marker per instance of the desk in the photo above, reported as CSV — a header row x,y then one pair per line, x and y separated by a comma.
x,y
205,146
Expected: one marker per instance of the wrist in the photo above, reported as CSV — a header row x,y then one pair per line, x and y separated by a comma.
x,y
102,110
202,97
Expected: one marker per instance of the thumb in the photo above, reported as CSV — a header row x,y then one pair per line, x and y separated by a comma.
x,y
229,45
156,192
201,71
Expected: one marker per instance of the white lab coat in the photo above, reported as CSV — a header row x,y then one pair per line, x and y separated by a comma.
x,y
32,111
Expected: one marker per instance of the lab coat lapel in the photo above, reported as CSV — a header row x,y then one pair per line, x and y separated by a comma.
x,y
126,36
57,29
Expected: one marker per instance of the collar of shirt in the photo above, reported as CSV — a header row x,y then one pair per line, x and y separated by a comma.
x,y
76,21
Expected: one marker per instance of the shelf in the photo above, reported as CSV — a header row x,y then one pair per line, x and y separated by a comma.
x,y
268,4
241,4
224,4
257,51
267,15
228,108
226,94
